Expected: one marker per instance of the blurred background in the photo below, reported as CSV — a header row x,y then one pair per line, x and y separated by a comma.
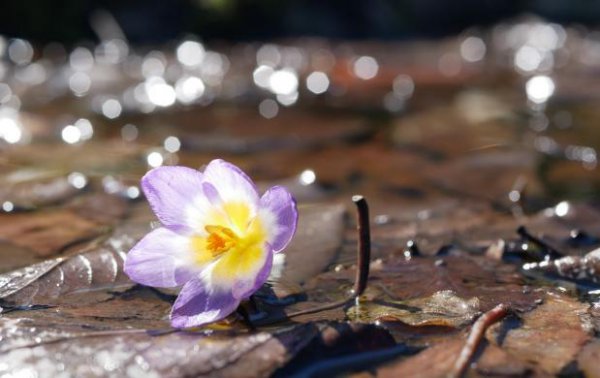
x,y
156,21
459,121
488,99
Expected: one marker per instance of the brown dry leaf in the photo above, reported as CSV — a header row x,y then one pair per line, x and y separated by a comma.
x,y
439,360
47,233
588,358
551,336
50,231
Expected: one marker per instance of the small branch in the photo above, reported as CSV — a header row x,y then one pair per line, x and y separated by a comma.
x,y
475,336
364,245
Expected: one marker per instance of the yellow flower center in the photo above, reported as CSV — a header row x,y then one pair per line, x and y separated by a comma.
x,y
235,237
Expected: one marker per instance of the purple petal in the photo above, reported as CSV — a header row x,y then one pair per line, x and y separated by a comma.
x,y
244,291
230,182
170,191
160,259
196,305
278,208
211,193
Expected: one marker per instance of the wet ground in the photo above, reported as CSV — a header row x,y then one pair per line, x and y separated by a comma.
x,y
477,155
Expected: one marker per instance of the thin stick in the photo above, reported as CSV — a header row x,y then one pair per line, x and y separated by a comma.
x,y
364,245
312,310
475,336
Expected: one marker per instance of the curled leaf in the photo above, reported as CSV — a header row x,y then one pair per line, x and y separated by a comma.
x,y
96,269
31,188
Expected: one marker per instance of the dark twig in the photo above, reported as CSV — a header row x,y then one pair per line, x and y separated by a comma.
x,y
475,336
325,307
364,245
311,310
552,252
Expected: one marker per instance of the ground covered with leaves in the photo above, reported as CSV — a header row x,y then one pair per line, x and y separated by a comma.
x,y
471,209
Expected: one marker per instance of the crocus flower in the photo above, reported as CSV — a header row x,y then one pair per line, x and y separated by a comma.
x,y
217,238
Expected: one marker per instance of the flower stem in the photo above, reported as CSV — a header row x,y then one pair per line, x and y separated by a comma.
x,y
364,245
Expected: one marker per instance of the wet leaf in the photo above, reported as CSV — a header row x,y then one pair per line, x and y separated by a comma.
x,y
443,308
14,281
467,276
99,268
136,353
31,188
93,311
317,241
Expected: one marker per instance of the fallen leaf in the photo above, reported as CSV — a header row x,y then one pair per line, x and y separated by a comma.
x,y
51,231
99,268
47,232
443,308
135,353
317,241
588,358
439,360
32,188
551,335
242,132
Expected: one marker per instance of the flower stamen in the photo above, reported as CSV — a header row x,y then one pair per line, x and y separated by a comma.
x,y
220,240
